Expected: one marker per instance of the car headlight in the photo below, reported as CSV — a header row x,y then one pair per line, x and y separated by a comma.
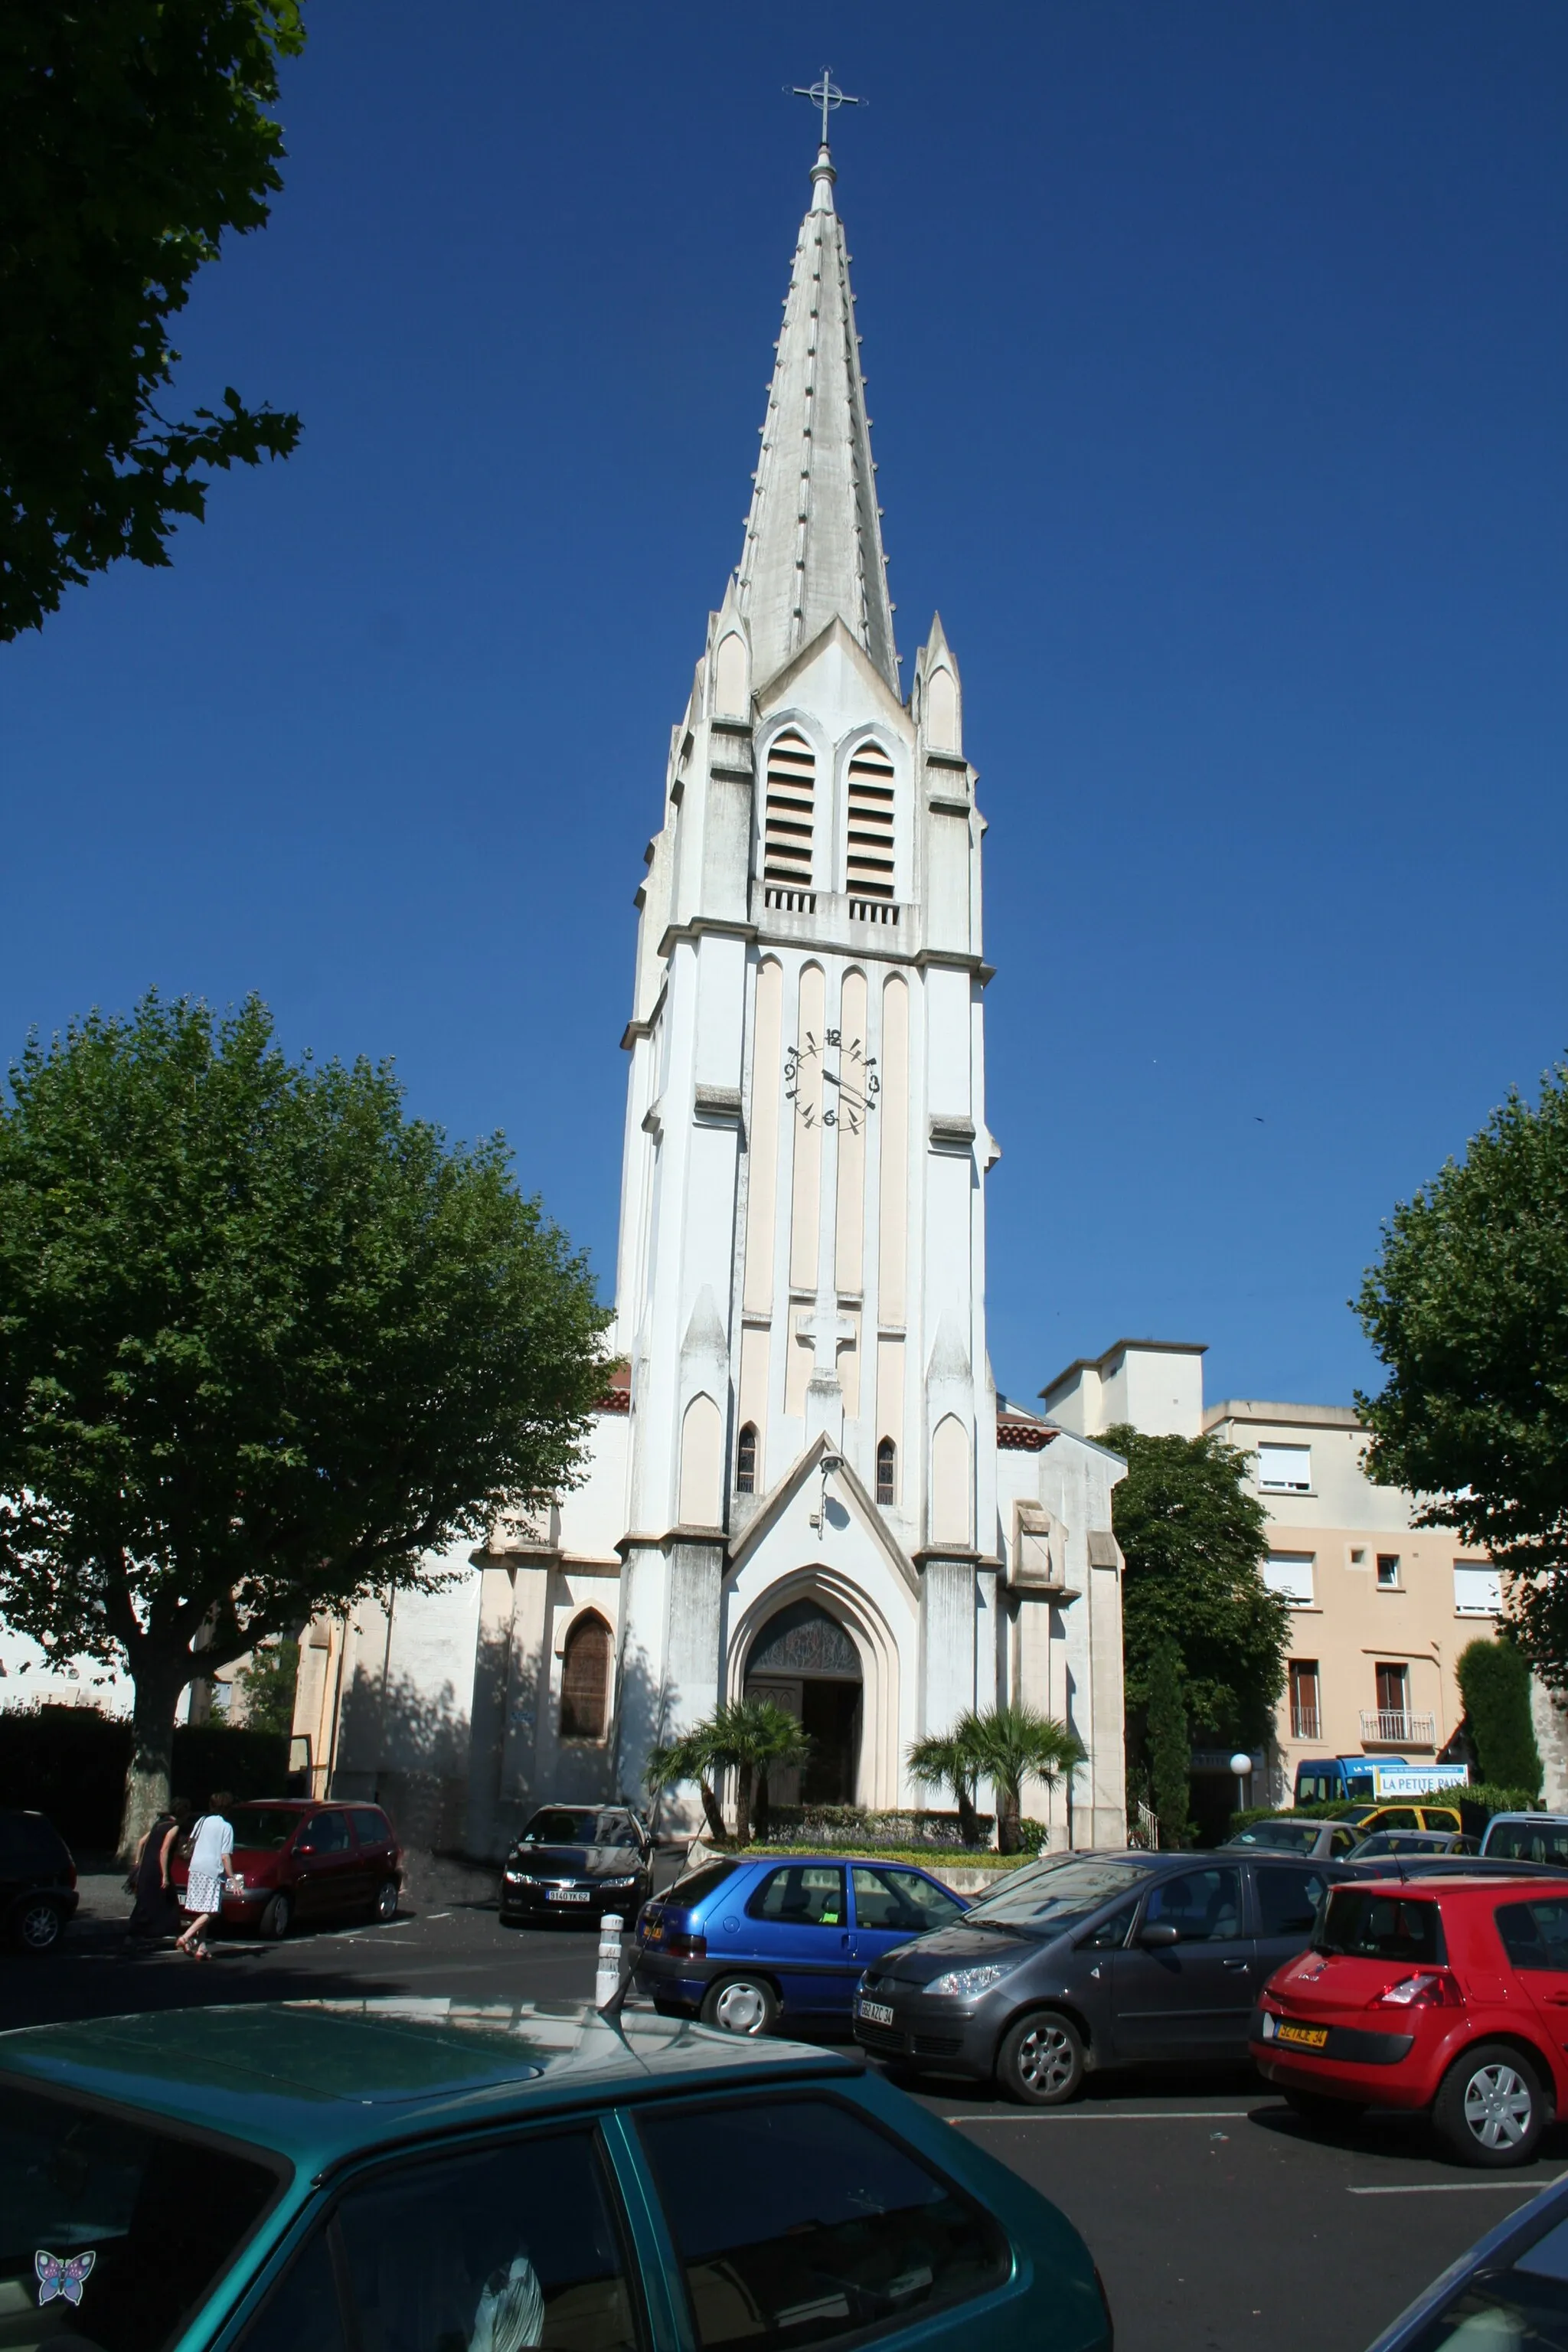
x,y
962,1984
517,1878
618,1882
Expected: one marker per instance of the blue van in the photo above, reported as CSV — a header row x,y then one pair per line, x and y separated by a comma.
x,y
1372,1780
743,1942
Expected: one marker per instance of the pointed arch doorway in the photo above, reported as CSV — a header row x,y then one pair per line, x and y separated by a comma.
x,y
804,1661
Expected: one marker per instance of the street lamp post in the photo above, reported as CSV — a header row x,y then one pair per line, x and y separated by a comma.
x,y
1241,1765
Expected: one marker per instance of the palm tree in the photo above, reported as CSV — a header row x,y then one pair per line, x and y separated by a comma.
x,y
688,1757
751,1734
1009,1744
942,1760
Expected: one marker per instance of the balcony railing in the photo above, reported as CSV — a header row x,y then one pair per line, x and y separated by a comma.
x,y
1306,1722
1387,1727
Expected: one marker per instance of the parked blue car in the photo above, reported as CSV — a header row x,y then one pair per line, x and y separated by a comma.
x,y
742,1943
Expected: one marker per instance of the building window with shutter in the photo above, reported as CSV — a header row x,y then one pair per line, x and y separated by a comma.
x,y
1306,1717
887,1472
868,848
1285,1469
747,1460
585,1679
789,813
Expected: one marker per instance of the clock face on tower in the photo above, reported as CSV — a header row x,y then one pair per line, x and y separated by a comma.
x,y
832,1082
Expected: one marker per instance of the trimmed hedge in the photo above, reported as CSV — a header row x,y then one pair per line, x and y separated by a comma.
x,y
1494,1683
71,1763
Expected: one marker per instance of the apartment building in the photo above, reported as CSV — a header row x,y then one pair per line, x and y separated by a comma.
x,y
1380,1608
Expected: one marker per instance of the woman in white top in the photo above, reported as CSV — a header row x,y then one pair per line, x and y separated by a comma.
x,y
212,1869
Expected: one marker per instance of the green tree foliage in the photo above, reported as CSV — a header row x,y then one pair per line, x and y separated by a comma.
x,y
748,1736
267,1686
1468,1307
1194,1539
1012,1744
133,136
1168,1743
1494,1683
942,1760
264,1344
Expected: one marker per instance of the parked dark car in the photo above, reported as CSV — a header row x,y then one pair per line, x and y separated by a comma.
x,y
1113,1960
577,1862
304,1860
744,1941
396,2173
37,1881
1510,2289
1406,1844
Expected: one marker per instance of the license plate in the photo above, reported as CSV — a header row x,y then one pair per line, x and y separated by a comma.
x,y
876,2012
1305,2037
567,1895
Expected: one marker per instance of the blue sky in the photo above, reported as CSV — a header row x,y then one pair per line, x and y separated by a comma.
x,y
1218,365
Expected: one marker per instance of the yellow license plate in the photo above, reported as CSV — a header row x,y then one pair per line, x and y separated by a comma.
x,y
1305,2037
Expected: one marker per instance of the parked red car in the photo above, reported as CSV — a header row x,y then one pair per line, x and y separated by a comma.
x,y
301,1859
1444,1994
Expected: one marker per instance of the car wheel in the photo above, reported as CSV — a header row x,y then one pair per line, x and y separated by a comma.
x,y
273,1921
1041,2060
36,1923
1491,2109
385,1907
740,2005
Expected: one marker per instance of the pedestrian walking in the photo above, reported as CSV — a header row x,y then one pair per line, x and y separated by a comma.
x,y
156,1911
211,1870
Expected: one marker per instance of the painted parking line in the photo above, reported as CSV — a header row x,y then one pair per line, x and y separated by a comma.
x,y
1118,2115
1454,2188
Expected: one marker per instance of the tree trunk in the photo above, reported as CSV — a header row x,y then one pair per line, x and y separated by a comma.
x,y
159,1683
742,1804
1008,1807
968,1818
762,1806
711,1813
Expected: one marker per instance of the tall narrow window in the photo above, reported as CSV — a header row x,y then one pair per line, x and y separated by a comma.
x,y
747,1460
585,1679
1392,1702
868,867
887,1472
1306,1717
791,802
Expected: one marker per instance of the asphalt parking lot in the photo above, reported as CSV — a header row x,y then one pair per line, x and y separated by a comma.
x,y
1219,2224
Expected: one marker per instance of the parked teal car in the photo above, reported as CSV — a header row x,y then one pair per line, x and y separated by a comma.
x,y
415,2175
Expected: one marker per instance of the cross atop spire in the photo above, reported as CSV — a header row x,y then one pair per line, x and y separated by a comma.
x,y
826,94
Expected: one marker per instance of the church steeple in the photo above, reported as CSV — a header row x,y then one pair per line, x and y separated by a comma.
x,y
813,543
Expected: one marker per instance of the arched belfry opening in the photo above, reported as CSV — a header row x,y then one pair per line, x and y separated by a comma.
x,y
806,1661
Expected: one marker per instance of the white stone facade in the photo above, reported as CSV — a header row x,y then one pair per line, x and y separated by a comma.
x,y
807,1414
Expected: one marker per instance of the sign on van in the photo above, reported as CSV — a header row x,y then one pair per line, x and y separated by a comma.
x,y
1417,1779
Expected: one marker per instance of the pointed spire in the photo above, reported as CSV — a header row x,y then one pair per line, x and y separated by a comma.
x,y
814,543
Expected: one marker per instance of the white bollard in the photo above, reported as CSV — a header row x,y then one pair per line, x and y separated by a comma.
x,y
607,1975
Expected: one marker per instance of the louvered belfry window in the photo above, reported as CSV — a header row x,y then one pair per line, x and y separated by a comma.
x,y
791,806
586,1680
869,867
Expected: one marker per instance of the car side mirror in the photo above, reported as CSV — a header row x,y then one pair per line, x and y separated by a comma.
x,y
1158,1936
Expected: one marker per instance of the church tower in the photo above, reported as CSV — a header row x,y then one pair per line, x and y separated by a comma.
x,y
801,1484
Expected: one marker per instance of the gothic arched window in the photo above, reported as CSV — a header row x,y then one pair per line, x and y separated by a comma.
x,y
747,1460
791,804
886,1472
868,848
585,1679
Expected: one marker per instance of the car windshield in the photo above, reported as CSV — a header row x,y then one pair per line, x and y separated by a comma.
x,y
1540,1841
1281,1837
263,1829
1050,1902
1374,1927
113,2231
559,1825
